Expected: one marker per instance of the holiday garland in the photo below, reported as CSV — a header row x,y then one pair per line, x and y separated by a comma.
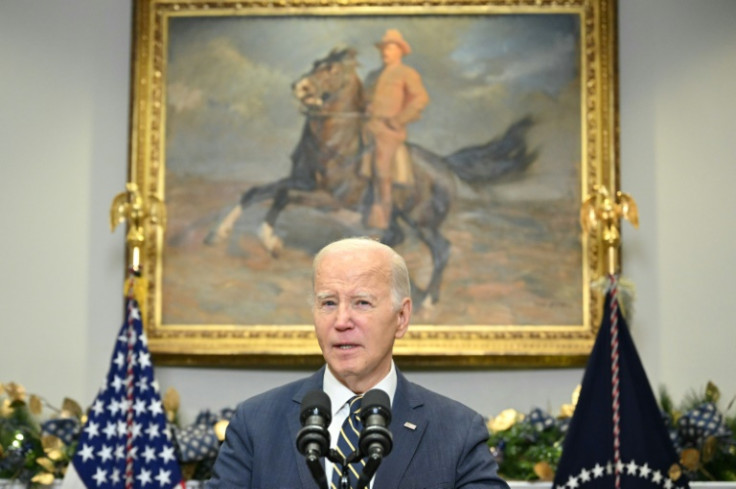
x,y
38,440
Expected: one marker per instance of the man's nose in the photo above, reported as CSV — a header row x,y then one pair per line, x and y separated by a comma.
x,y
344,318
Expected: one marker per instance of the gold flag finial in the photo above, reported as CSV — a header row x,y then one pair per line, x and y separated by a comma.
x,y
133,207
601,210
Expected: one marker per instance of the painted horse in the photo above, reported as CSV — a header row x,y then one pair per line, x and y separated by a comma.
x,y
326,163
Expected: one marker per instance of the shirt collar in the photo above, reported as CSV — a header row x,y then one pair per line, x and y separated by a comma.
x,y
339,394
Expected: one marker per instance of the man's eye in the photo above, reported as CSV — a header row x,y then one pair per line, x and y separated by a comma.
x,y
363,303
328,303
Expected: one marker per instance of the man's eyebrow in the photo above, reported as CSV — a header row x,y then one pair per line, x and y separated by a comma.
x,y
363,295
324,295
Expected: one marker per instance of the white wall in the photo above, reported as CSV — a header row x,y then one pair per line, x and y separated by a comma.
x,y
678,122
63,156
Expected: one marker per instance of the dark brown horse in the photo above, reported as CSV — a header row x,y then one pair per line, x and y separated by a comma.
x,y
326,161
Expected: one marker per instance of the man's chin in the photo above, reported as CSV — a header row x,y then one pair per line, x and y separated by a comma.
x,y
344,363
345,356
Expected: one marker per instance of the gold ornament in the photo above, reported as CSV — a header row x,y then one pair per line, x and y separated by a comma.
x,y
171,403
601,211
505,420
133,207
690,459
45,479
544,471
221,428
139,287
6,408
45,463
567,410
675,472
53,447
71,409
16,392
35,405
710,446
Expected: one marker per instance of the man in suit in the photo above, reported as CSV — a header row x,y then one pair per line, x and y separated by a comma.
x,y
361,305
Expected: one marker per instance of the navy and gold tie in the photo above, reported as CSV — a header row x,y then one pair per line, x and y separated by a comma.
x,y
347,443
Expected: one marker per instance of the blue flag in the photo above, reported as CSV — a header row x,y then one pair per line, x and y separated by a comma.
x,y
617,436
125,443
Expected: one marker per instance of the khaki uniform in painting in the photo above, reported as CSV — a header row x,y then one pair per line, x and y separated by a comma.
x,y
396,96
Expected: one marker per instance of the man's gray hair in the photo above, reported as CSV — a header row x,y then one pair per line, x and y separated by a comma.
x,y
400,282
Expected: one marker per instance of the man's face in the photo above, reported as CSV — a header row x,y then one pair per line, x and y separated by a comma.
x,y
354,317
391,53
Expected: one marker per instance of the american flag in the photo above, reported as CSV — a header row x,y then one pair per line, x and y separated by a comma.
x,y
125,443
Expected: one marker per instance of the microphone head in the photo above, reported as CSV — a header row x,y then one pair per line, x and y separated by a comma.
x,y
375,413
313,440
317,403
375,401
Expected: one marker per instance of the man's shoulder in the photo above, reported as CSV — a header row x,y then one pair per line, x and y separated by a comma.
x,y
276,396
437,402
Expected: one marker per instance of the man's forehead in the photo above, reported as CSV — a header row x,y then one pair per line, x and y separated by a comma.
x,y
351,282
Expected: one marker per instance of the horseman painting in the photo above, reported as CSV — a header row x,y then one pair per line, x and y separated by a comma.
x,y
265,141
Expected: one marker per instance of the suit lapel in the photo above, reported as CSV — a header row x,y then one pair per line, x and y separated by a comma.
x,y
408,424
311,383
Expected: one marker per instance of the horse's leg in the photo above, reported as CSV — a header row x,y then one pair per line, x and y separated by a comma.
x,y
221,232
268,238
254,194
439,247
393,235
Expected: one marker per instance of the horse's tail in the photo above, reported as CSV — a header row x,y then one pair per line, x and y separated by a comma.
x,y
502,157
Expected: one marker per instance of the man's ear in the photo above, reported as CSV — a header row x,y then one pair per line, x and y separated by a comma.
x,y
403,317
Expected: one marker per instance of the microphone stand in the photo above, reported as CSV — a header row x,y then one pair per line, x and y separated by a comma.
x,y
335,457
315,467
371,465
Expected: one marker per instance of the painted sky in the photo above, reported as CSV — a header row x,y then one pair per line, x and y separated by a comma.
x,y
230,113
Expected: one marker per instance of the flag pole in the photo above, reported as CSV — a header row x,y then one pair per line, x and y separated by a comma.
x,y
603,210
135,208
138,210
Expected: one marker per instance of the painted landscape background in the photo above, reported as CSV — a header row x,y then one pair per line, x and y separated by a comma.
x,y
232,123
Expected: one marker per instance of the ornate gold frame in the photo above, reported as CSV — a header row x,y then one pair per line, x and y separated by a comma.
x,y
425,345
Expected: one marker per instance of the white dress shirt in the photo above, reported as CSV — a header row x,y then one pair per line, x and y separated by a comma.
x,y
339,397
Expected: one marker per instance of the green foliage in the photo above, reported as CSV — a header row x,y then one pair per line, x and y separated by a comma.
x,y
521,448
524,453
711,454
524,450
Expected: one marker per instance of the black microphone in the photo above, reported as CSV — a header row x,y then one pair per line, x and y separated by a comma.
x,y
313,440
375,440
375,413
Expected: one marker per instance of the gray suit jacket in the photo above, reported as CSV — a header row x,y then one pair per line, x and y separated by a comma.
x,y
438,443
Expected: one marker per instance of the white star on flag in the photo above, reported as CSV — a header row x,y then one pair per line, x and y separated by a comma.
x,y
617,433
131,412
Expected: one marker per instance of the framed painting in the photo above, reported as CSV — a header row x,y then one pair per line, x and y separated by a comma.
x,y
240,124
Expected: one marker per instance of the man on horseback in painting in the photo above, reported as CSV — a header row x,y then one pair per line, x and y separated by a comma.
x,y
346,159
395,97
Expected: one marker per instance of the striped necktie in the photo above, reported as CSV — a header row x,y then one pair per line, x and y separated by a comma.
x,y
347,443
